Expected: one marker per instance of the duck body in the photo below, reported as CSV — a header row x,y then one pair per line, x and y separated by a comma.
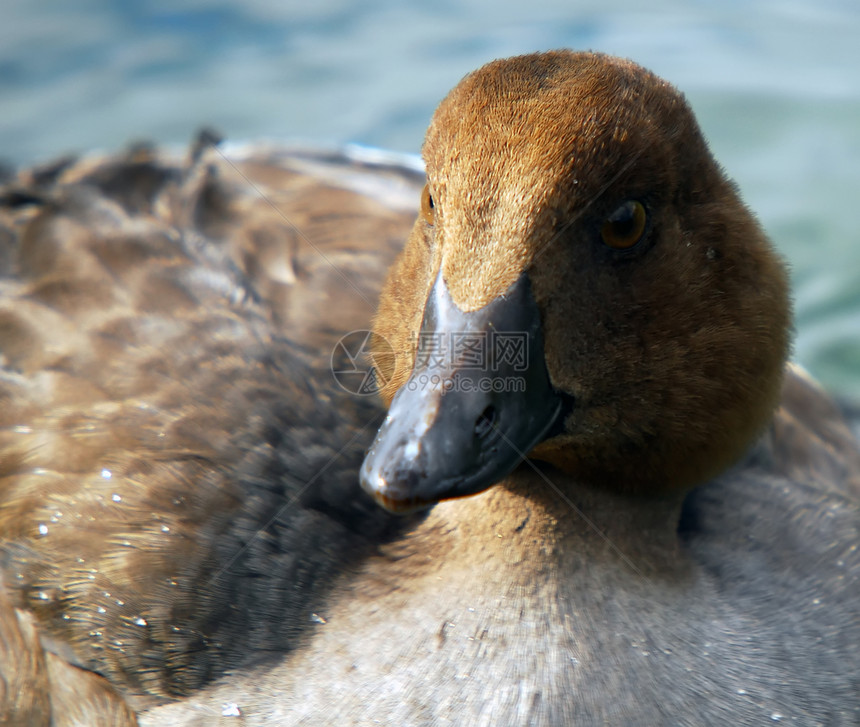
x,y
681,546
162,405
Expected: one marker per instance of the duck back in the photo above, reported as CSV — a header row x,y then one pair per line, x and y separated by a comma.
x,y
178,461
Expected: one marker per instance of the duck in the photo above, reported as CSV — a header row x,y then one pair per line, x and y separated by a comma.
x,y
602,493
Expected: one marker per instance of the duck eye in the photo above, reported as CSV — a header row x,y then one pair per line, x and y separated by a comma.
x,y
428,207
625,227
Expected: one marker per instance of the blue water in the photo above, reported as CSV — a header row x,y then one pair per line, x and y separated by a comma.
x,y
775,83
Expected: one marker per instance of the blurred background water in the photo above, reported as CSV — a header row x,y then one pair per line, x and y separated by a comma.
x,y
775,84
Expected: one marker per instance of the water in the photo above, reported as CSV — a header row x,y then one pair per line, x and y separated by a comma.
x,y
775,83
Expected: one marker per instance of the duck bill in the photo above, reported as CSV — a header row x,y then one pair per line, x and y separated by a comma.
x,y
478,399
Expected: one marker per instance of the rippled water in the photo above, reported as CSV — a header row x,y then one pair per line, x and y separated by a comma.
x,y
776,85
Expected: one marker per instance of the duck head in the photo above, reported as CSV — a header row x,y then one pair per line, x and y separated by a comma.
x,y
583,285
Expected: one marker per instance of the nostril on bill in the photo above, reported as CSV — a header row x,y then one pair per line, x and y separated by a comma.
x,y
484,423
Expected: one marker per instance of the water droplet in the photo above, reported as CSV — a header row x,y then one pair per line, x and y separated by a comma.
x,y
22,430
139,621
316,618
742,691
165,529
119,603
42,596
43,529
116,497
101,609
230,709
66,617
107,474
776,716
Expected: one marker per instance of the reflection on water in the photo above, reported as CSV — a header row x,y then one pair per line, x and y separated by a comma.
x,y
775,84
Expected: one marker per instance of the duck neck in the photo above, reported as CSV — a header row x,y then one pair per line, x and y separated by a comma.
x,y
541,516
